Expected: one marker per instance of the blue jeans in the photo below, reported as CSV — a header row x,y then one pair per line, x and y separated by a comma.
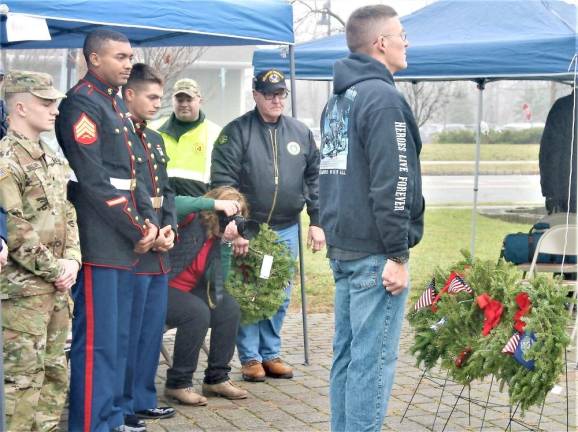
x,y
368,323
261,341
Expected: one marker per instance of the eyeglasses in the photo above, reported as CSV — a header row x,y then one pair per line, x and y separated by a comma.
x,y
402,35
280,94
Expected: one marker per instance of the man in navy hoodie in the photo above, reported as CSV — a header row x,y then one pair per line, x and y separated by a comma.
x,y
371,209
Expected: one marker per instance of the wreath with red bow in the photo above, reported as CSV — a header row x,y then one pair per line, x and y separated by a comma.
x,y
498,325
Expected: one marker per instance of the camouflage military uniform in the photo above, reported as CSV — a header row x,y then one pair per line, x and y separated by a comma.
x,y
41,230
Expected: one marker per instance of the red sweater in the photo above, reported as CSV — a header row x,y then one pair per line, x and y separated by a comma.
x,y
188,278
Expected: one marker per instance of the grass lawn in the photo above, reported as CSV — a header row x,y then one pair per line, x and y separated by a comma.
x,y
446,232
488,152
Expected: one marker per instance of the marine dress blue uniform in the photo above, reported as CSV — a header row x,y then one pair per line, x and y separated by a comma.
x,y
102,147
151,282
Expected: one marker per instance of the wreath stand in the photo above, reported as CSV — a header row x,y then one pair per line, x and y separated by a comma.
x,y
442,383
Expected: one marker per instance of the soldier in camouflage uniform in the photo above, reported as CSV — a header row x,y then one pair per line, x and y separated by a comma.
x,y
44,257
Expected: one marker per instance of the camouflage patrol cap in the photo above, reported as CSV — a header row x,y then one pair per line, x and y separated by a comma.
x,y
187,86
37,83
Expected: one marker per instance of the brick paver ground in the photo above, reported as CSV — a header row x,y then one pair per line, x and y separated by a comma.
x,y
301,404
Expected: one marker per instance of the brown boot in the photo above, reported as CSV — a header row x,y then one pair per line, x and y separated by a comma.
x,y
185,396
225,389
253,371
275,368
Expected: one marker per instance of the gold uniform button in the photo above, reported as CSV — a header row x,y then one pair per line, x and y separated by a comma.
x,y
144,226
117,131
129,209
144,135
156,178
155,166
149,145
137,218
140,159
163,160
158,190
152,155
125,129
132,157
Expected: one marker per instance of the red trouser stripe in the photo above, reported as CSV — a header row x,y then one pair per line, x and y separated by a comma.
x,y
89,354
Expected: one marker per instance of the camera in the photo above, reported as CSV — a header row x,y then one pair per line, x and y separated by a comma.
x,y
247,228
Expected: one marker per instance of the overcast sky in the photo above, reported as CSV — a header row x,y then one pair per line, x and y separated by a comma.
x,y
403,7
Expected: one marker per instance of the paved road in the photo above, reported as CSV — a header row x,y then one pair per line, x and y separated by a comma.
x,y
507,189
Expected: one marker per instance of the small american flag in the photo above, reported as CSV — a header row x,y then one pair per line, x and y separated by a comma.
x,y
510,347
427,297
458,284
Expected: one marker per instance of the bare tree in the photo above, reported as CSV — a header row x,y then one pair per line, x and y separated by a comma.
x,y
169,62
425,98
313,18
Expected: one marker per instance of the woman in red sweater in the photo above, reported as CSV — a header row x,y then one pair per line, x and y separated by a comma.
x,y
197,299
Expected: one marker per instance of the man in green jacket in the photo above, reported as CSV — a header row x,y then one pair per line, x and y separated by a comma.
x,y
189,139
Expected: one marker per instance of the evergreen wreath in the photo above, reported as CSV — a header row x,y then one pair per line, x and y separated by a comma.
x,y
261,298
450,331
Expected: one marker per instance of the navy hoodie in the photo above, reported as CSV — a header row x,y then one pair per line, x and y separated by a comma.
x,y
370,177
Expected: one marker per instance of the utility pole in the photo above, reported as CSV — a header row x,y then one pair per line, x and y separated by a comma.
x,y
328,17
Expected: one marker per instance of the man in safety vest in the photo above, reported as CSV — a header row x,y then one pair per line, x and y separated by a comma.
x,y
189,138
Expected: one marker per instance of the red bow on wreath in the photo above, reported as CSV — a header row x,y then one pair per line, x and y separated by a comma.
x,y
492,312
524,305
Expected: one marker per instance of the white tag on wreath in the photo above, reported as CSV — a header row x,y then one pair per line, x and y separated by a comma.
x,y
266,266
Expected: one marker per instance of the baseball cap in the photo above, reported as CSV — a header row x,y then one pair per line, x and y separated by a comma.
x,y
187,86
37,83
269,81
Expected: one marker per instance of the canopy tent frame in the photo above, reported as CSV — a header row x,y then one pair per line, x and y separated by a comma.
x,y
278,30
424,65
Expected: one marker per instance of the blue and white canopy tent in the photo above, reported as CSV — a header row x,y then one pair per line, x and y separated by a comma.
x,y
461,40
65,23
170,23
477,40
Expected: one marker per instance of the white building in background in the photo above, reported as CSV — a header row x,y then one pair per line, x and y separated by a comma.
x,y
224,75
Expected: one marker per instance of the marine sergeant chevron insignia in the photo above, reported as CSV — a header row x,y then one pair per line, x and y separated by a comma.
x,y
85,130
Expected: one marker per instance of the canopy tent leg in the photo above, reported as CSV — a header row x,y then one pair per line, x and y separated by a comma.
x,y
301,262
481,86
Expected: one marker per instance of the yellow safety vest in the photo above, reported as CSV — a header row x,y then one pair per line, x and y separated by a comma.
x,y
190,156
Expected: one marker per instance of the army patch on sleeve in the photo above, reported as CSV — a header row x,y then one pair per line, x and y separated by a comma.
x,y
85,130
223,138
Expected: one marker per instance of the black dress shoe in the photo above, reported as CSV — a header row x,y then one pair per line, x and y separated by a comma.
x,y
156,413
133,424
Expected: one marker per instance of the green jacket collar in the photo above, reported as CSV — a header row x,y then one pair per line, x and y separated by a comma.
x,y
176,128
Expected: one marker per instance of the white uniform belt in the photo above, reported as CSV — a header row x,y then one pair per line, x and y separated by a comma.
x,y
120,184
157,202
123,184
